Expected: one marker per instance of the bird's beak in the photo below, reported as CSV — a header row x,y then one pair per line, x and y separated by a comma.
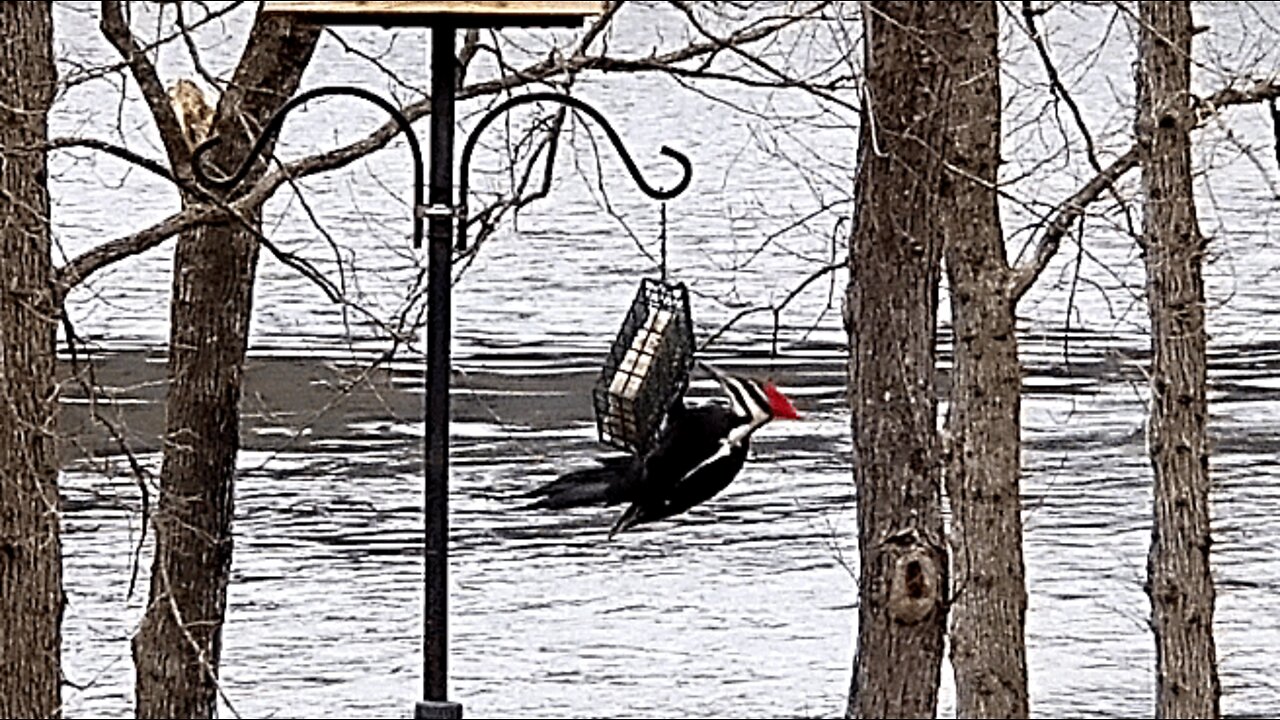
x,y
730,386
711,369
720,376
625,521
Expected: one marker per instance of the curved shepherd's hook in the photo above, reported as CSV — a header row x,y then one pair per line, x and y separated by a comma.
x,y
575,103
273,129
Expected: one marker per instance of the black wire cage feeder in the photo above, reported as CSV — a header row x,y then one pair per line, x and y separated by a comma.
x,y
647,369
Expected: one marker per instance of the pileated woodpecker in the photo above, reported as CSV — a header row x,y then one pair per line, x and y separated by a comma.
x,y
698,453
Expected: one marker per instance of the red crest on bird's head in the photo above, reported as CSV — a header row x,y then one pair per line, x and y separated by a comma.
x,y
779,405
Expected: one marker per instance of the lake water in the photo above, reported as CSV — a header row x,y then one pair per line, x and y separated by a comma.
x,y
743,607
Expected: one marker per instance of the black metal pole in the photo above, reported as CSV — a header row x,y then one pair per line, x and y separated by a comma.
x,y
439,255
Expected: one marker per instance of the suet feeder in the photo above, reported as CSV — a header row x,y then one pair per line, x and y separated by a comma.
x,y
647,369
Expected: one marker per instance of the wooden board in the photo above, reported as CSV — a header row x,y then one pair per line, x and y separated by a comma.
x,y
460,13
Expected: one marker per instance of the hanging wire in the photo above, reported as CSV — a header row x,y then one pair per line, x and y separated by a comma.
x,y
662,237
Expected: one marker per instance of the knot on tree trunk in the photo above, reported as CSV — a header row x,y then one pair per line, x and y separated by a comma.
x,y
915,579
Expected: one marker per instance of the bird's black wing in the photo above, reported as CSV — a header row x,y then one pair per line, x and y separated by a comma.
x,y
676,482
692,436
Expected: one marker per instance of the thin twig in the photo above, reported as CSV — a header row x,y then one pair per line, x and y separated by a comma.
x,y
1073,208
1056,86
1060,92
93,73
140,473
775,309
116,29
1275,126
82,266
1069,211
190,42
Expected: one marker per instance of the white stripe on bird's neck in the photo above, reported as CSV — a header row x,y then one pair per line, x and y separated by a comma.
x,y
747,402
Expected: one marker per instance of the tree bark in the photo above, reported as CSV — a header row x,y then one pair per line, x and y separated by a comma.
x,y
31,599
1179,582
892,319
178,646
988,611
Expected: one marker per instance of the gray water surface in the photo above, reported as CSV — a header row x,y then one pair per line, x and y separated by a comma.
x,y
743,607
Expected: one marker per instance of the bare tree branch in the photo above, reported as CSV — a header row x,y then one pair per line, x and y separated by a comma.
x,y
1055,82
82,266
78,269
488,218
1060,91
670,62
554,66
463,59
597,27
153,166
1073,208
467,53
116,30
1267,90
82,76
89,386
214,209
1067,214
190,42
1275,126
776,308
728,44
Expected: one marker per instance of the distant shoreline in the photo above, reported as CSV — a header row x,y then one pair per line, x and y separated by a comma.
x,y
294,400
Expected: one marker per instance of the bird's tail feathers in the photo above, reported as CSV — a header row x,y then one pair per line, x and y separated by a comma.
x,y
576,489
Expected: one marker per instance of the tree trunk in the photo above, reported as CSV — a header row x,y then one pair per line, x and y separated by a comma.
x,y
178,646
988,612
1179,582
31,599
892,319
